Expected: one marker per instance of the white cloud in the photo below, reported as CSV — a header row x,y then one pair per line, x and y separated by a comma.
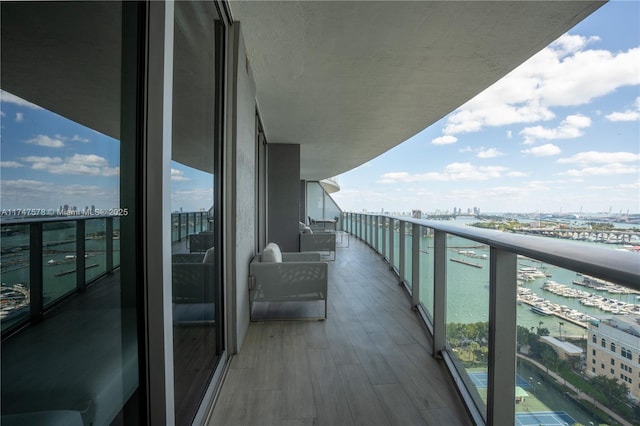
x,y
111,171
11,164
444,140
628,115
563,74
466,149
23,193
6,97
19,117
570,43
91,160
542,150
77,138
509,134
43,140
489,153
178,176
451,172
610,169
36,159
78,164
569,128
516,174
594,157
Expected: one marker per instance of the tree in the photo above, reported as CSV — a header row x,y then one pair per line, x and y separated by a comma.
x,y
549,357
614,391
522,336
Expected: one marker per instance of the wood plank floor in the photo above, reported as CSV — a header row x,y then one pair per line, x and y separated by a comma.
x,y
369,363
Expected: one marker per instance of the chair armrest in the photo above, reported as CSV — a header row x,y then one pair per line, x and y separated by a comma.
x,y
322,241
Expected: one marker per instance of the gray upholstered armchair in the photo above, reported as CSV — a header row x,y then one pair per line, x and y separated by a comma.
x,y
317,241
287,277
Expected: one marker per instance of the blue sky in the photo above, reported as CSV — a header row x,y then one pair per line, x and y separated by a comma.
x,y
48,161
559,133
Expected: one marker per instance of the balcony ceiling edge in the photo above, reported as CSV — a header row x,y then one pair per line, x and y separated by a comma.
x,y
350,80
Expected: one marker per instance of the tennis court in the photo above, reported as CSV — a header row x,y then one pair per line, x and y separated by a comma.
x,y
544,418
480,380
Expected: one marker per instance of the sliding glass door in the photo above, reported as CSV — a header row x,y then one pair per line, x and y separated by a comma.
x,y
195,192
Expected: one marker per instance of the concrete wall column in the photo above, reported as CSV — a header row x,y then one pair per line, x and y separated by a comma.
x,y
284,195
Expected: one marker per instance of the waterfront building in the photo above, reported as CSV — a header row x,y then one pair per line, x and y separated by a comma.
x,y
613,350
141,314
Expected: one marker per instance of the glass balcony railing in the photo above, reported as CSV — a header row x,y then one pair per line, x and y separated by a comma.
x,y
45,260
552,326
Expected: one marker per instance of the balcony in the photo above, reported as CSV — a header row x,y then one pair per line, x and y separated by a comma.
x,y
387,354
369,363
391,354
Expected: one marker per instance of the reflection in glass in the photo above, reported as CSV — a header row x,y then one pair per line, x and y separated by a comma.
x,y
14,293
95,247
116,242
76,359
59,256
197,328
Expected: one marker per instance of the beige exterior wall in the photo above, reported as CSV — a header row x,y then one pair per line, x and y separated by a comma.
x,y
620,361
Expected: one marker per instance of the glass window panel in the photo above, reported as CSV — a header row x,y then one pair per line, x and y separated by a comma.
x,y
467,322
315,202
407,254
197,288
426,269
64,147
566,322
396,244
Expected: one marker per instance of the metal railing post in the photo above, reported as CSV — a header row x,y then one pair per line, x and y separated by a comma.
x,y
502,337
439,292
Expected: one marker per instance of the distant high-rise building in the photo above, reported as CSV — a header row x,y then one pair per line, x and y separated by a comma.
x,y
416,214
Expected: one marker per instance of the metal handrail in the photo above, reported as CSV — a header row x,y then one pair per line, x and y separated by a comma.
x,y
620,267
